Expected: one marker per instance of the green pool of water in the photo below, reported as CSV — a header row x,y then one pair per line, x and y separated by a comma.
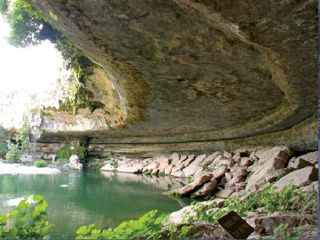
x,y
77,199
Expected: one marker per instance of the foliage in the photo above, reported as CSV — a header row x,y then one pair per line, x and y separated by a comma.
x,y
13,152
3,144
28,27
3,148
22,137
69,149
4,4
40,163
282,232
27,221
288,199
147,227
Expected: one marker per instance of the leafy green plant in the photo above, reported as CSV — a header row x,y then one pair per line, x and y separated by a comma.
x,y
289,198
147,227
27,25
3,148
69,149
13,152
27,221
282,232
22,137
40,163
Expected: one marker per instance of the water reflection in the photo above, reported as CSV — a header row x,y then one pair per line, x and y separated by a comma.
x,y
77,199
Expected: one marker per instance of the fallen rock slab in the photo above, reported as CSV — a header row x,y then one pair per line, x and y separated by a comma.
x,y
269,161
196,184
206,189
194,166
299,178
108,167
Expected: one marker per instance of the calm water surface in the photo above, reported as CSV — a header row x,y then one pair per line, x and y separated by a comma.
x,y
77,199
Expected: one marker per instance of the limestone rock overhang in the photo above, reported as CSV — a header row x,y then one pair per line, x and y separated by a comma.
x,y
193,71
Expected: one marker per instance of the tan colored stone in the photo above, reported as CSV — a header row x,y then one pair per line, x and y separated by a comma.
x,y
225,193
219,172
311,157
134,168
297,163
194,166
151,166
206,189
168,169
246,161
270,160
197,183
300,178
174,159
108,167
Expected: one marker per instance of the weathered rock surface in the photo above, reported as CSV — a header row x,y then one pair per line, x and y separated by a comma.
x,y
74,162
300,178
197,74
206,189
197,183
269,161
270,221
192,168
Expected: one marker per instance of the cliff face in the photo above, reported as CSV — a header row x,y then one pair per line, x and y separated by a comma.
x,y
199,74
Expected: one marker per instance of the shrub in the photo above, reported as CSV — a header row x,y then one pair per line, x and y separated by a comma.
x,y
22,137
69,149
40,163
146,227
27,221
13,152
3,148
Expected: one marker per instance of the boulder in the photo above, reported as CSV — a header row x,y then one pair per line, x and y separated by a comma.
x,y
194,166
224,193
74,159
269,160
311,157
270,221
312,187
174,159
179,217
197,183
227,155
74,162
297,163
300,178
208,160
178,174
184,161
246,161
273,176
150,167
155,171
108,167
219,172
236,158
168,169
132,168
206,189
164,162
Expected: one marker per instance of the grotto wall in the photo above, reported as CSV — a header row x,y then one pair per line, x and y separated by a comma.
x,y
198,74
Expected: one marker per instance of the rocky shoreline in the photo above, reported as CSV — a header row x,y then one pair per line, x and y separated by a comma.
x,y
16,168
227,174
239,174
